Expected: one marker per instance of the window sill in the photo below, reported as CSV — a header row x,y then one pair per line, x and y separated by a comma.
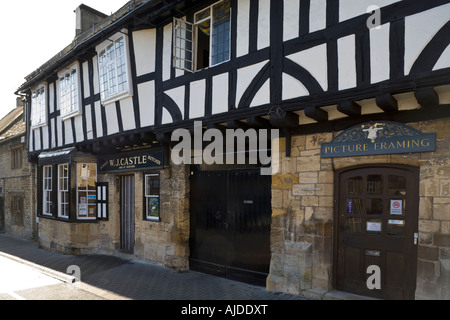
x,y
70,115
116,98
38,126
67,220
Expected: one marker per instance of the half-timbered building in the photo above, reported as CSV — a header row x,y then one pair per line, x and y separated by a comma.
x,y
359,92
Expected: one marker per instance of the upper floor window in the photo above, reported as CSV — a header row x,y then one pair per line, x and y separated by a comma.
x,y
68,92
38,107
16,158
113,69
206,42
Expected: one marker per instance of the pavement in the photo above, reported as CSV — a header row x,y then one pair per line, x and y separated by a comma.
x,y
117,278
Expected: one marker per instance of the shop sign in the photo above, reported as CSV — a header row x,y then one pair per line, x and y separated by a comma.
x,y
149,159
378,138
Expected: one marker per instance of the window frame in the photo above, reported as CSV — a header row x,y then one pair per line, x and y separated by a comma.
x,y
147,197
102,49
87,191
178,39
61,191
39,100
73,104
47,192
16,158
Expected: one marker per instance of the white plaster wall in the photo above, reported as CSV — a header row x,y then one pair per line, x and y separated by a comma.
x,y
197,99
420,29
220,94
264,24
144,42
350,8
167,52
68,132
347,62
262,96
244,78
147,103
315,61
127,109
111,119
98,117
243,27
177,95
444,60
291,19
292,88
79,132
380,53
318,15
88,115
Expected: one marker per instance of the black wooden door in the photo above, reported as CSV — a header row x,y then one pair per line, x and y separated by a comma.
x,y
377,224
230,224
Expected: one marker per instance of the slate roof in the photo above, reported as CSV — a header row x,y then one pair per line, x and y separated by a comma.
x,y
12,124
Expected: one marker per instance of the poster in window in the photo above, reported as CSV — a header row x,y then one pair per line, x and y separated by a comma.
x,y
153,207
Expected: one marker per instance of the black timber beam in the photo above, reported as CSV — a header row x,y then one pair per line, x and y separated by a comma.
x,y
236,124
289,120
387,102
316,114
427,97
258,123
350,108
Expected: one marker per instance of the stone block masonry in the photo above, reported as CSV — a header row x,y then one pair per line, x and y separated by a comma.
x,y
303,214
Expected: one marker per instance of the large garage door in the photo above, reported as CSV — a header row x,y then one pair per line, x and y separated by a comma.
x,y
230,224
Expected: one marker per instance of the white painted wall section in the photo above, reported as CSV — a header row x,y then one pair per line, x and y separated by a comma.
x,y
292,88
220,94
144,42
127,111
262,96
147,103
420,29
444,60
197,99
167,52
264,24
318,15
347,62
243,28
314,60
350,8
380,53
177,95
291,19
244,78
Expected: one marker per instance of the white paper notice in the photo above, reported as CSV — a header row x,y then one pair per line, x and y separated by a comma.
x,y
374,226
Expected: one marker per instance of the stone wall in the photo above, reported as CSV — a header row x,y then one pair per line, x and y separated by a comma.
x,y
164,243
303,214
18,183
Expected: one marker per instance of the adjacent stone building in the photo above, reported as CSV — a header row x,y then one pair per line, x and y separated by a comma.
x,y
17,179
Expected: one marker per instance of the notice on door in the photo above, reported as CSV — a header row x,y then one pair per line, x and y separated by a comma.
x,y
396,207
374,226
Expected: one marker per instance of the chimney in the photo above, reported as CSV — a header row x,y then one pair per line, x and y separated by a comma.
x,y
86,18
